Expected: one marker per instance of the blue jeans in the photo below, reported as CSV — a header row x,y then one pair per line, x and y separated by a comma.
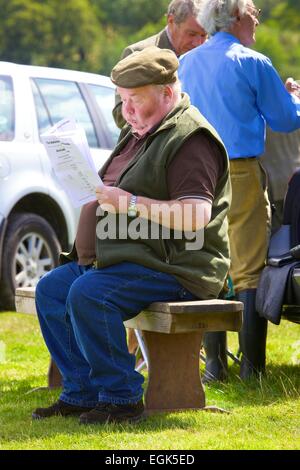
x,y
81,312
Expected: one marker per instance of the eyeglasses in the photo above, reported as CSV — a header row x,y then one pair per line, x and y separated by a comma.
x,y
255,12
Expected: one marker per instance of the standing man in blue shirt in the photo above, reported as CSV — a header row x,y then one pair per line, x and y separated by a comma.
x,y
239,91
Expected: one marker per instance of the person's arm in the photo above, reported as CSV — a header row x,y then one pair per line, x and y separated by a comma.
x,y
192,177
280,108
186,215
191,181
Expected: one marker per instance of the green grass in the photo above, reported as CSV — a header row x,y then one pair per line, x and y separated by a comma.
x,y
264,414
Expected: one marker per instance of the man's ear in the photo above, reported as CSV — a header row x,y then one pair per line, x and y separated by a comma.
x,y
170,20
237,15
168,91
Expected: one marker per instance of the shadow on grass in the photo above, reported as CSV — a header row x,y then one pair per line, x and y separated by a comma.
x,y
19,398
280,383
17,426
15,388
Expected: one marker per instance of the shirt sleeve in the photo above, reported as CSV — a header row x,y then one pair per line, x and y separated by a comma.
x,y
195,169
280,109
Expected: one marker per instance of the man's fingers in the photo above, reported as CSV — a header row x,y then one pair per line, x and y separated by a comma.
x,y
292,86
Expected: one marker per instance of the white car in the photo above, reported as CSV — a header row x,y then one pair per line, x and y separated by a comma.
x,y
36,216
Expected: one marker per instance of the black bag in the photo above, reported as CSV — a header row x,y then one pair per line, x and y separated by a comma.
x,y
278,294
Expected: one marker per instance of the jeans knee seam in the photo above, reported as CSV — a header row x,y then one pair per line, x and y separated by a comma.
x,y
70,354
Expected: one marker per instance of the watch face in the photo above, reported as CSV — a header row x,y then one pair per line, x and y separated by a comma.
x,y
132,209
132,212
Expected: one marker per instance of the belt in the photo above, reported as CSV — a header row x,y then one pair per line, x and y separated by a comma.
x,y
242,158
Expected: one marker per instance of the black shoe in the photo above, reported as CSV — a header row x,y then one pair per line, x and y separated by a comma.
x,y
59,408
113,413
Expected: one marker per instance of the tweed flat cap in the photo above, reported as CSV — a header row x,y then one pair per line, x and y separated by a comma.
x,y
151,66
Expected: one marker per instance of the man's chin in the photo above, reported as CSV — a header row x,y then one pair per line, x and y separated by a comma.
x,y
141,130
186,49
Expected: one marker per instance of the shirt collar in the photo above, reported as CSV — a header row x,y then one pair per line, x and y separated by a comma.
x,y
170,39
224,36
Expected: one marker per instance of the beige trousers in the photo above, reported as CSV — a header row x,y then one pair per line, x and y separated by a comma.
x,y
249,222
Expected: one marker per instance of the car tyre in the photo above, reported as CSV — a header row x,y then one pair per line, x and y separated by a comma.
x,y
30,249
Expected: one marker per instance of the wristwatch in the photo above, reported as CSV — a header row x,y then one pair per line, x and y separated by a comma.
x,y
132,208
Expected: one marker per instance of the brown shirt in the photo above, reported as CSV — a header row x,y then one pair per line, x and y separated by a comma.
x,y
193,173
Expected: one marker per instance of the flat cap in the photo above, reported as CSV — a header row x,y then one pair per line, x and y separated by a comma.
x,y
151,66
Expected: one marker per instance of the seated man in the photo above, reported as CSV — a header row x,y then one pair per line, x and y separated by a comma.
x,y
168,172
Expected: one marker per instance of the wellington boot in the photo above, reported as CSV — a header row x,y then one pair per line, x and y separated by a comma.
x,y
216,367
252,337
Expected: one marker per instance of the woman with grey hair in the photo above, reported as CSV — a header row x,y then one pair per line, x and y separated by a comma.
x,y
239,91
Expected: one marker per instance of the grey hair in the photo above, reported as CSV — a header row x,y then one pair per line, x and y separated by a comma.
x,y
176,86
181,9
218,15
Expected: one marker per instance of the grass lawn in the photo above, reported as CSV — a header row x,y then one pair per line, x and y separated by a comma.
x,y
264,414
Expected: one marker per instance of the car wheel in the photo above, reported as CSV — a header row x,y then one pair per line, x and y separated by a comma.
x,y
31,248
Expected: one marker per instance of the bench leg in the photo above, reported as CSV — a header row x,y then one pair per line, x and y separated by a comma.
x,y
131,341
54,376
174,376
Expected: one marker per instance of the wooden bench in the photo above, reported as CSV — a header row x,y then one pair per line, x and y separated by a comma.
x,y
173,333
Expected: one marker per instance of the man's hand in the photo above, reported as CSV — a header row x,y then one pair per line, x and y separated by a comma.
x,y
189,214
292,87
110,196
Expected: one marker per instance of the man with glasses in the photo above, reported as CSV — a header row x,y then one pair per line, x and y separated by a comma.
x,y
239,91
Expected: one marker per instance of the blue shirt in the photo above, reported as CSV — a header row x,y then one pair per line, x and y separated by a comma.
x,y
238,91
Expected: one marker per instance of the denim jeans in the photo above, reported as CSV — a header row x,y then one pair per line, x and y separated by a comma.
x,y
81,312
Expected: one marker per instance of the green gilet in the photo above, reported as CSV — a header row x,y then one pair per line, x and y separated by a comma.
x,y
202,271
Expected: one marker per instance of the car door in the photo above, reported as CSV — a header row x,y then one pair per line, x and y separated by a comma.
x,y
19,157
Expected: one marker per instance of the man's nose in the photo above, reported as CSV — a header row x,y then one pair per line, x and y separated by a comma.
x,y
128,108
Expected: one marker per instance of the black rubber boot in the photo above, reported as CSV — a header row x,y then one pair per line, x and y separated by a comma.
x,y
252,337
216,367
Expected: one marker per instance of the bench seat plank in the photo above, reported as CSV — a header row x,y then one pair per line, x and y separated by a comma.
x,y
196,306
160,322
25,300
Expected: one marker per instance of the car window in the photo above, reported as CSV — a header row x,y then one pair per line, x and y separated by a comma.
x,y
105,98
59,99
44,119
7,109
